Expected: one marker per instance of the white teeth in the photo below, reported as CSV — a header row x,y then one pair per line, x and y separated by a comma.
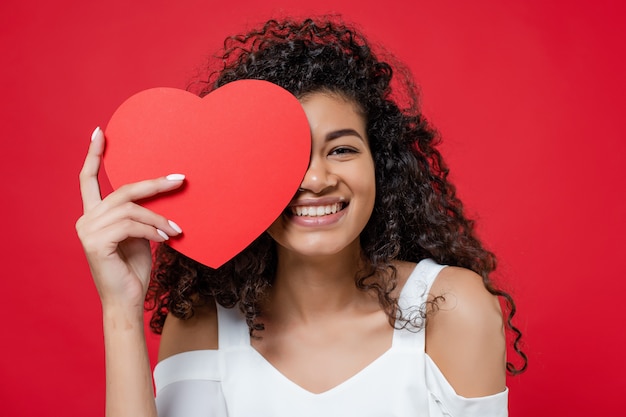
x,y
316,211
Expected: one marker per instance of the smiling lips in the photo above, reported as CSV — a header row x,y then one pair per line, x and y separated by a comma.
x,y
316,211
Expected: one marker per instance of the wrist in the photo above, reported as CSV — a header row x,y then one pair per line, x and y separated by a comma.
x,y
122,317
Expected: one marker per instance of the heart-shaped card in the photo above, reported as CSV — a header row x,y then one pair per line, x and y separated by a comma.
x,y
244,149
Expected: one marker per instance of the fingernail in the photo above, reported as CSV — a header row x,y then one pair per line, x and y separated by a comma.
x,y
175,226
97,131
163,234
175,177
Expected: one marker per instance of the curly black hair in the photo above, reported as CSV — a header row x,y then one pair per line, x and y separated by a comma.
x,y
416,215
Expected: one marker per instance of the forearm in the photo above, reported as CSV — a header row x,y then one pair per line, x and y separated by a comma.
x,y
129,390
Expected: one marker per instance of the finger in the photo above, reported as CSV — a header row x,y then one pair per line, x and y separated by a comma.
x,y
106,241
89,186
133,229
144,189
133,212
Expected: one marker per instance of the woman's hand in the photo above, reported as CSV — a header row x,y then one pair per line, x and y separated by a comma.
x,y
115,231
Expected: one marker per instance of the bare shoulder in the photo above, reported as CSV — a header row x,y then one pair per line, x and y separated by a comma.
x,y
464,295
465,333
196,333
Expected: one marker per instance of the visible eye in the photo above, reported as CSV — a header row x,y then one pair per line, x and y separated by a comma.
x,y
343,150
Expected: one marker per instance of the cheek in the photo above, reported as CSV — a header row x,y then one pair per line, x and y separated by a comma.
x,y
275,228
365,192
369,184
371,199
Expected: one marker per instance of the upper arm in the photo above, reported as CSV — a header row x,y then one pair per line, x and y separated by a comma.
x,y
196,333
465,334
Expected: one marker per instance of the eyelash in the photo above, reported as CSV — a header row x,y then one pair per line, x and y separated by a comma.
x,y
342,150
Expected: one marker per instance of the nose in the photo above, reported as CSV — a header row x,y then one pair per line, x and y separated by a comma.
x,y
318,177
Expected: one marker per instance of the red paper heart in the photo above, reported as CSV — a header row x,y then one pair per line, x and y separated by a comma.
x,y
244,149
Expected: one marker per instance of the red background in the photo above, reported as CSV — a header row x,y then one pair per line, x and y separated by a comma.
x,y
526,94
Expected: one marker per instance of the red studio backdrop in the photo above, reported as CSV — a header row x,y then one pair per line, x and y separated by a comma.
x,y
526,94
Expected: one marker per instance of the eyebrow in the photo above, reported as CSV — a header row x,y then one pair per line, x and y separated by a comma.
x,y
343,132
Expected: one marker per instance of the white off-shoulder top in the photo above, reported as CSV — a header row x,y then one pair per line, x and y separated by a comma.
x,y
236,381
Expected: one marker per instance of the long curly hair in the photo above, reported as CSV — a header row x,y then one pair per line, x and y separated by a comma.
x,y
416,215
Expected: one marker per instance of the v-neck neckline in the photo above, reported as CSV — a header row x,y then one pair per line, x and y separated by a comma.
x,y
337,387
348,381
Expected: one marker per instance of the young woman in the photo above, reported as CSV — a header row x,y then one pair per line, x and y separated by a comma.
x,y
369,296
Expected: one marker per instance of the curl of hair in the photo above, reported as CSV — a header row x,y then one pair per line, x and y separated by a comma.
x,y
417,214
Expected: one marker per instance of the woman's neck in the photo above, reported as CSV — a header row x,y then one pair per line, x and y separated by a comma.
x,y
311,288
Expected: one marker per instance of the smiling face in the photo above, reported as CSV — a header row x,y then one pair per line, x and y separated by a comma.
x,y
337,194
